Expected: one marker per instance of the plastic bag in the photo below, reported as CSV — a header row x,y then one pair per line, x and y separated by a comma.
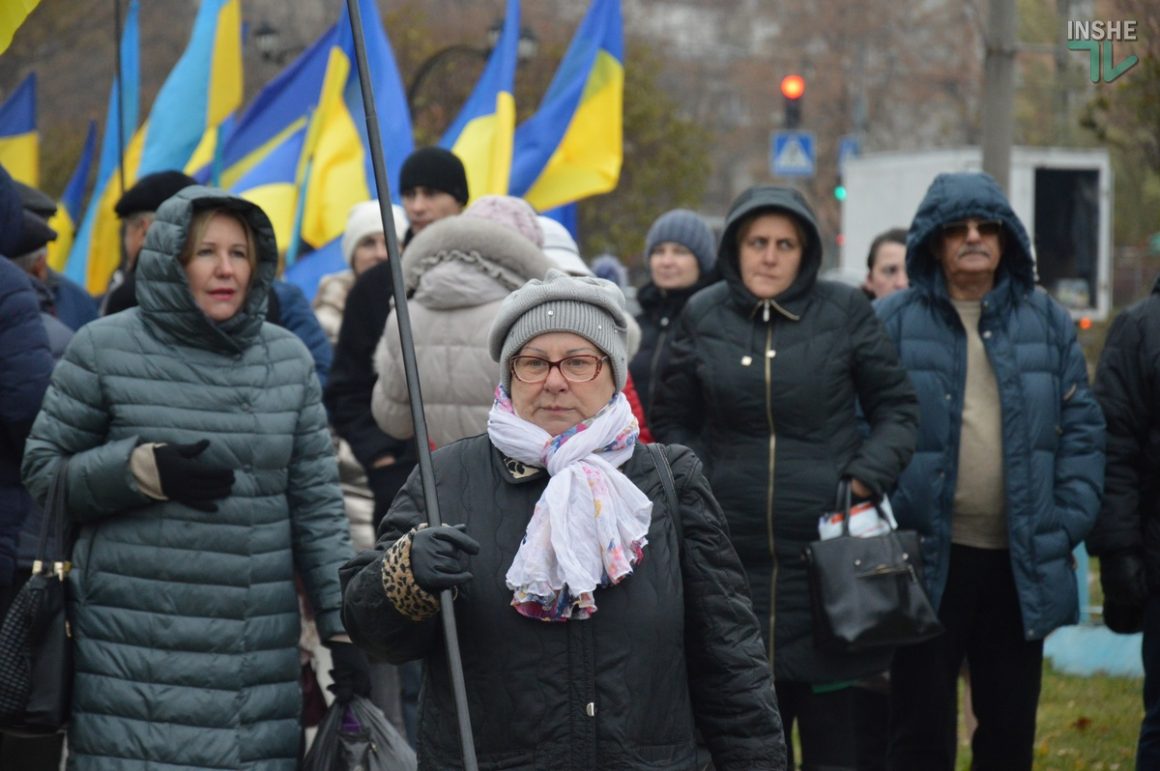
x,y
357,736
865,521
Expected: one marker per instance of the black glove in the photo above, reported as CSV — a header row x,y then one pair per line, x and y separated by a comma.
x,y
435,558
190,481
1125,585
1123,619
351,673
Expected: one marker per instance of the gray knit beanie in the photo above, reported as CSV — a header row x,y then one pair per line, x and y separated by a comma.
x,y
587,306
687,229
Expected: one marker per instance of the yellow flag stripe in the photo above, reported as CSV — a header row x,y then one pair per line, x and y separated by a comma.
x,y
12,15
589,158
20,155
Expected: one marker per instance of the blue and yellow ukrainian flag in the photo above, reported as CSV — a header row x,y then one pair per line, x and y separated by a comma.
x,y
337,154
19,139
203,89
280,109
68,209
262,158
12,15
482,133
572,147
107,190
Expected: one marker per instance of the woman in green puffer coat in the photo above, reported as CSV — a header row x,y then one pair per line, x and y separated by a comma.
x,y
201,479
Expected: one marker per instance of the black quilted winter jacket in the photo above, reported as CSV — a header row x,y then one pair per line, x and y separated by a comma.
x,y
658,318
673,645
765,393
1128,388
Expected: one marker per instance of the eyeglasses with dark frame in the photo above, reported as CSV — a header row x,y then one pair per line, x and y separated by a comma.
x,y
579,368
959,229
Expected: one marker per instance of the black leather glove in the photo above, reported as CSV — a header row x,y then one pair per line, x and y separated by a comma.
x,y
187,480
351,673
435,557
1125,584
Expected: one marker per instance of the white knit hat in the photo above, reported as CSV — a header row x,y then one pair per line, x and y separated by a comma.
x,y
561,248
365,219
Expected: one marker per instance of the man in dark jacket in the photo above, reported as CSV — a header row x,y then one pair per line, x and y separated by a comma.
x,y
72,305
1006,479
25,368
1126,537
433,185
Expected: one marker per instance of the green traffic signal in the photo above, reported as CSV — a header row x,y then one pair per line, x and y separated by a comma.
x,y
840,192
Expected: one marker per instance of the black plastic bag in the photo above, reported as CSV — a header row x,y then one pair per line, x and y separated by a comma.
x,y
365,742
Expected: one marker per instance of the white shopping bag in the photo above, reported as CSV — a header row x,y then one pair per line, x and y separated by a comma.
x,y
865,522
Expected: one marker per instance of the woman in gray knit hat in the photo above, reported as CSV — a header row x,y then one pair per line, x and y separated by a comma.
x,y
602,614
681,256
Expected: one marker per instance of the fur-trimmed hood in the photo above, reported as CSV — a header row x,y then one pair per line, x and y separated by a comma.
x,y
440,263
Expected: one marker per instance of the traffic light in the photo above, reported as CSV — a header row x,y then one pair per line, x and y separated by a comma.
x,y
792,88
839,189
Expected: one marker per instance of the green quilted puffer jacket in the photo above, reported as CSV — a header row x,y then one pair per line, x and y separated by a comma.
x,y
186,623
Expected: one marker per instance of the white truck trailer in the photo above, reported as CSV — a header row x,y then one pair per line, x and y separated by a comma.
x,y
1063,196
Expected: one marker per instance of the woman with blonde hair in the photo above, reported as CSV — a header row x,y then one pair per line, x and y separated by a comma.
x,y
201,479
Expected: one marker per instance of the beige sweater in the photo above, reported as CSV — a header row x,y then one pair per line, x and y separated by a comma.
x,y
979,518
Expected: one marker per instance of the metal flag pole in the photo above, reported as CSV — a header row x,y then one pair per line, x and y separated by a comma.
x,y
426,470
120,80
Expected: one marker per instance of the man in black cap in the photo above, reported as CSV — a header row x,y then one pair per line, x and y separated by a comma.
x,y
31,256
433,185
135,210
71,304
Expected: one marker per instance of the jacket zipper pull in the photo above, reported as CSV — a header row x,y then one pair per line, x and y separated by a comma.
x,y
765,311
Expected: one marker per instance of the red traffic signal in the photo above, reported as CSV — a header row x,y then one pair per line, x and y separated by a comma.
x,y
793,86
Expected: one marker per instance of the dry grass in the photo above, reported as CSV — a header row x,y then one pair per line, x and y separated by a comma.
x,y
1083,723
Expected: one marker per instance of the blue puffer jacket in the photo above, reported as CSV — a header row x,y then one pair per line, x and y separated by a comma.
x,y
25,367
1053,430
297,316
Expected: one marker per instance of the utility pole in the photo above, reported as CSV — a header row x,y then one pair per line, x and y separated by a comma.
x,y
999,91
1062,79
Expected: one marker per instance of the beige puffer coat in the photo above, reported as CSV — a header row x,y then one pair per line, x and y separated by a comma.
x,y
459,270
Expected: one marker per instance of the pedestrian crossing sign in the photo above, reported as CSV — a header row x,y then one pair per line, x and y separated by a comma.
x,y
792,154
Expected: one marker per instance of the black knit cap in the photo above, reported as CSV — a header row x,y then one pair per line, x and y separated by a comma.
x,y
151,191
437,169
34,234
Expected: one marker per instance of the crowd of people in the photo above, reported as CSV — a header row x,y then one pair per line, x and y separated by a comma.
x,y
625,496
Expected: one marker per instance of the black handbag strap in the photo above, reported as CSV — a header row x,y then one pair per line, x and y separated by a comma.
x,y
661,461
54,525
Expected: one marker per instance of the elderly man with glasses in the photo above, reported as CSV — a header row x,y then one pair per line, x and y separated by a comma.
x,y
1006,480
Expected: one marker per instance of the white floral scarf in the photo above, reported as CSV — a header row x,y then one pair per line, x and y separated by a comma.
x,y
589,527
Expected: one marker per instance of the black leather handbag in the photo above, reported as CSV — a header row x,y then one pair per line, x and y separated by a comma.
x,y
867,593
36,667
